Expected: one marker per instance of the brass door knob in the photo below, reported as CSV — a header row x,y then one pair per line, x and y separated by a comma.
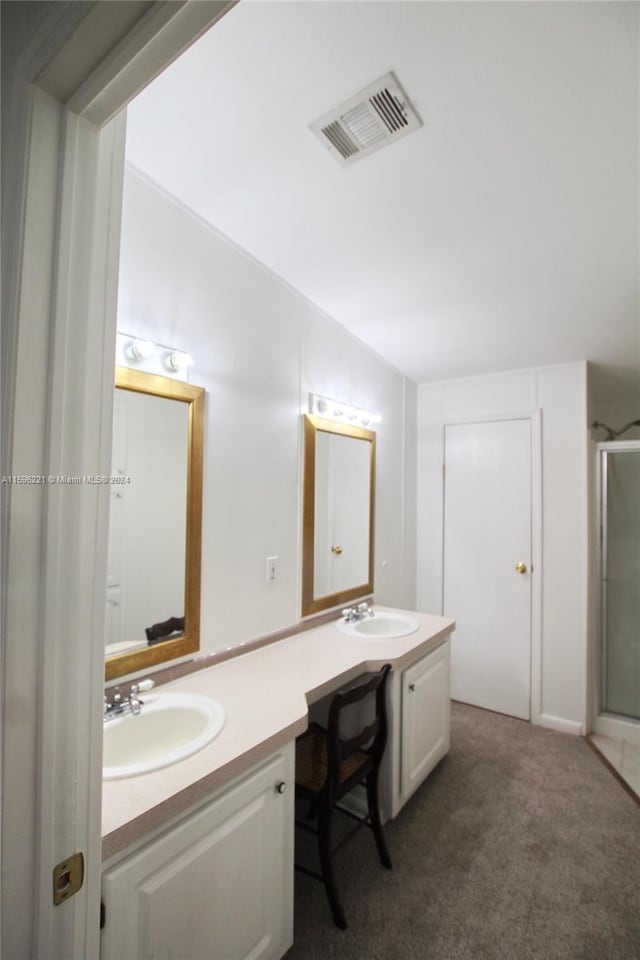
x,y
521,567
336,550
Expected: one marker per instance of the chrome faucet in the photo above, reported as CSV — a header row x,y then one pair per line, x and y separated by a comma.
x,y
353,614
120,706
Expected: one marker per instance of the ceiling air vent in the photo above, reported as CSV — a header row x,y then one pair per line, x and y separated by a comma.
x,y
373,118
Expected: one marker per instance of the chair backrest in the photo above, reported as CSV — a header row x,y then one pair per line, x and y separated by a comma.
x,y
162,631
371,735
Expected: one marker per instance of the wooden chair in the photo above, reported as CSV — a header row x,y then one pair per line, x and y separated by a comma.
x,y
330,764
163,631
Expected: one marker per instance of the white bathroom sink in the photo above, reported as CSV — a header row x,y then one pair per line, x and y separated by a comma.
x,y
381,626
169,727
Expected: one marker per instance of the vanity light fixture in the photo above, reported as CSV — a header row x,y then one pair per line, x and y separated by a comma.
x,y
149,356
178,360
336,410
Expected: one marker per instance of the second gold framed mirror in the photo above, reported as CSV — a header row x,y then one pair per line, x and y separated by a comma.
x,y
338,513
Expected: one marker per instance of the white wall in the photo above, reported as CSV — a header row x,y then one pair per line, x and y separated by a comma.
x,y
334,364
259,349
560,393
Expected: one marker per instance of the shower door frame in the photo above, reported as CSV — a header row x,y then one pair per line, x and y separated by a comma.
x,y
608,724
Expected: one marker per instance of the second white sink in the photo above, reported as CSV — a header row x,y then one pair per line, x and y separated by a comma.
x,y
382,626
170,727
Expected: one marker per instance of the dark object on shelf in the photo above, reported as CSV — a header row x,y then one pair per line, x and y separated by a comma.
x,y
163,631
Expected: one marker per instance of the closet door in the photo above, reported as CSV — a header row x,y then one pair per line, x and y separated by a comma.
x,y
487,563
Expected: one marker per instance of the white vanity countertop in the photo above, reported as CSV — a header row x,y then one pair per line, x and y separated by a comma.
x,y
265,695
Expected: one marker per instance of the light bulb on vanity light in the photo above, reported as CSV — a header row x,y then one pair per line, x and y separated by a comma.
x,y
178,361
139,349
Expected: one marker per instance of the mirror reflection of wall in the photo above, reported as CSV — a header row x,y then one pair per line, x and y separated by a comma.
x,y
341,556
147,534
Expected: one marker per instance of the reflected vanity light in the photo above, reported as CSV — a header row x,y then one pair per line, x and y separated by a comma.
x,y
342,412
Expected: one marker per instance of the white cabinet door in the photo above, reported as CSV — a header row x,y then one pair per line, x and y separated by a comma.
x,y
425,718
218,885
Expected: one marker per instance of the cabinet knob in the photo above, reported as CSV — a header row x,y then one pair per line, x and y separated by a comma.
x,y
412,687
281,787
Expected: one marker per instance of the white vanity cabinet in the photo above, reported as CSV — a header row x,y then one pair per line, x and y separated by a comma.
x,y
419,712
218,884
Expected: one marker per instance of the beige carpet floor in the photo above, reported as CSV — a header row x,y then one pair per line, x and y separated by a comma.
x,y
521,845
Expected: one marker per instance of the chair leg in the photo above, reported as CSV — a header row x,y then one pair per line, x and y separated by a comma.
x,y
328,875
374,815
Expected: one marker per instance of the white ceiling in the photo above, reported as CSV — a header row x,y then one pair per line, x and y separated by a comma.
x,y
502,234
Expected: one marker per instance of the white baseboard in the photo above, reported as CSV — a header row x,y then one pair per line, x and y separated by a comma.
x,y
561,724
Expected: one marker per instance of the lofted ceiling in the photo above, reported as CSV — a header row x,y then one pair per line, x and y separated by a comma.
x,y
501,234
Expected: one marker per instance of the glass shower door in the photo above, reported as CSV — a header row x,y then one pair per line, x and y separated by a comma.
x,y
620,575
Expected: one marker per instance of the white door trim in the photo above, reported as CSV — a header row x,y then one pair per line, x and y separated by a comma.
x,y
54,640
536,556
535,419
67,214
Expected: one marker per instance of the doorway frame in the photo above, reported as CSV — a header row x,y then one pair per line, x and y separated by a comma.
x,y
535,421
66,158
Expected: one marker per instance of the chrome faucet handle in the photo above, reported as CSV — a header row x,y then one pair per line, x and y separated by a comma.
x,y
114,706
363,607
347,613
137,688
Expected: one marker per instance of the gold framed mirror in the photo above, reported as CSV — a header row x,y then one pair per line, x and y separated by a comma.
x,y
155,523
338,513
